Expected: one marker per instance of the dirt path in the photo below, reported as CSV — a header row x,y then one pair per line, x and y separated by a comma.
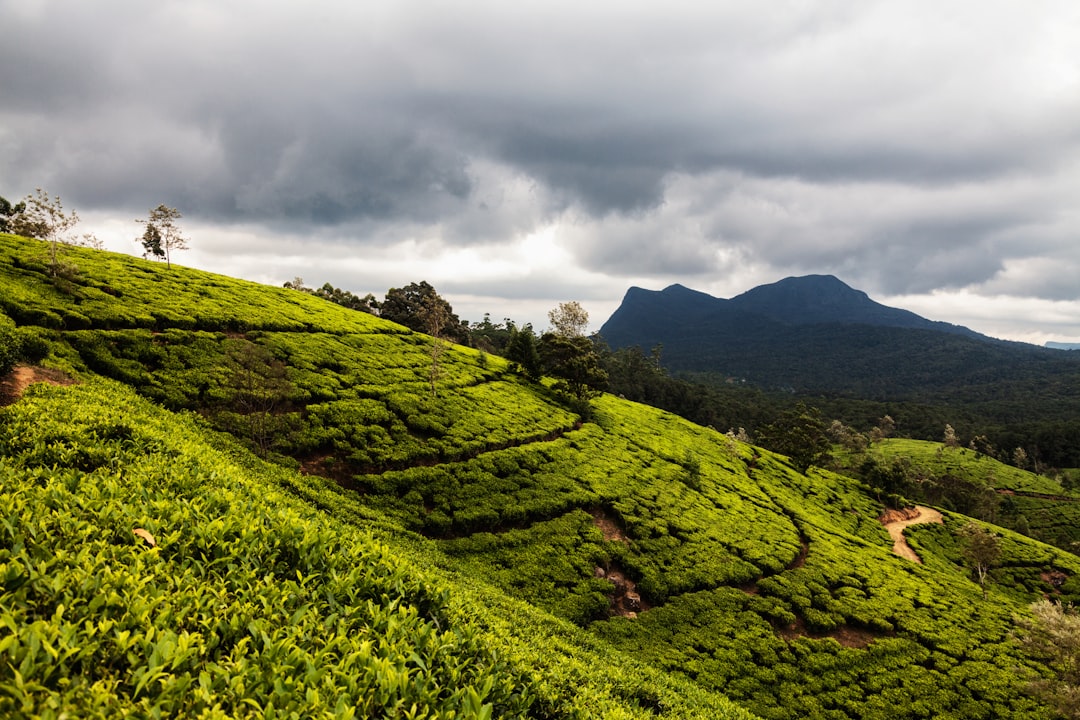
x,y
896,521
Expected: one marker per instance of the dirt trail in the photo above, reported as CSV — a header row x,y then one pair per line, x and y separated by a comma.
x,y
895,521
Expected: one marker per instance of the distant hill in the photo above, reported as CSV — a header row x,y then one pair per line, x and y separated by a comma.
x,y
1063,345
815,334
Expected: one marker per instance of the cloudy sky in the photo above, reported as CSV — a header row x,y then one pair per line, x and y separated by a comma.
x,y
518,154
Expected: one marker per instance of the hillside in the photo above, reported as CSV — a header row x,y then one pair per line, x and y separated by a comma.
x,y
1035,504
443,526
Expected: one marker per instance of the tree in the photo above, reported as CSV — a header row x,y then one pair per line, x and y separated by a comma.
x,y
344,298
434,314
981,549
1052,634
799,433
949,438
412,306
569,319
491,337
43,217
8,211
162,234
575,362
521,349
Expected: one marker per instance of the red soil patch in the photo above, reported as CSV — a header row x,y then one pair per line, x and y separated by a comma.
x,y
846,635
609,526
23,376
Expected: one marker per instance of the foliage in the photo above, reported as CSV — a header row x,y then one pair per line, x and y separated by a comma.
x,y
161,234
569,319
982,551
43,217
1053,633
575,362
521,349
8,211
419,307
800,434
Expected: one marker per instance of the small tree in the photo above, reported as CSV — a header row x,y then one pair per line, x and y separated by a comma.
x,y
569,319
575,362
162,234
949,438
43,217
981,549
434,313
1052,634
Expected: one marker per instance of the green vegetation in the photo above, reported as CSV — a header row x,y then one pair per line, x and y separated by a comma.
x,y
490,549
969,481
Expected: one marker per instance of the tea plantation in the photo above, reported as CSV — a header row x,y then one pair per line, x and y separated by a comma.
x,y
253,502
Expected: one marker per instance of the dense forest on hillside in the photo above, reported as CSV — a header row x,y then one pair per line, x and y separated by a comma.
x,y
817,341
243,500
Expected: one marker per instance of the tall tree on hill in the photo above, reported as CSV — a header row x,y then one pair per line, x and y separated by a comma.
x,y
982,550
434,313
412,306
569,319
162,234
575,362
521,349
799,433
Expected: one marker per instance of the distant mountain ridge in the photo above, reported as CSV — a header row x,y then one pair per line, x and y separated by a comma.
x,y
806,300
817,334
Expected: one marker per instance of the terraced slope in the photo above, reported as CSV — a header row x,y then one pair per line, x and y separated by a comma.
x,y
706,558
1014,497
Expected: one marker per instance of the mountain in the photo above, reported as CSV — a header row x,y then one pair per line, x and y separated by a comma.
x,y
816,334
222,499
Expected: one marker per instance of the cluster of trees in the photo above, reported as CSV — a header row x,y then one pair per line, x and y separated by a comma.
x,y
563,352
42,216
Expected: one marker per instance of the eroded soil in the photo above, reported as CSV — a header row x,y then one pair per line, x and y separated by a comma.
x,y
14,384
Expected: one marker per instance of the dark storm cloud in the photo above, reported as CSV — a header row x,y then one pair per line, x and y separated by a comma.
x,y
910,146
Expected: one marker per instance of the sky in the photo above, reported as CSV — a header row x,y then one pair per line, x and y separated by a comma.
x,y
521,154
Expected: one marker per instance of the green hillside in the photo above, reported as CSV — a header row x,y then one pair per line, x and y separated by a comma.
x,y
428,534
1036,504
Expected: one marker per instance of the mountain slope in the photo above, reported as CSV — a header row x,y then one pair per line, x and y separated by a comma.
x,y
713,561
820,299
816,335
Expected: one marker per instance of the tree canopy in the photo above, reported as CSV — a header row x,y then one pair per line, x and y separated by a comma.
x,y
569,319
419,307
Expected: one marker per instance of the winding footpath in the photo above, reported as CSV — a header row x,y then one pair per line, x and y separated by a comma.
x,y
897,521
